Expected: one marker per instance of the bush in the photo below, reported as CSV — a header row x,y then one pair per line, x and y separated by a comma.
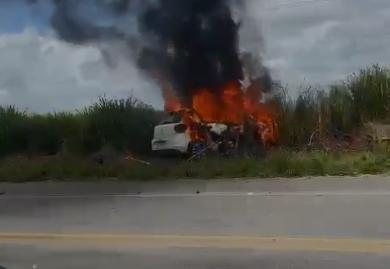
x,y
370,90
365,96
127,124
298,119
12,136
124,124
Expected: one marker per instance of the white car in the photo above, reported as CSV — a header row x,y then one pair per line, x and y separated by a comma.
x,y
171,136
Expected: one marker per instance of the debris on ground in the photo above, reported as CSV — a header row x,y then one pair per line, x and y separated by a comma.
x,y
130,157
336,140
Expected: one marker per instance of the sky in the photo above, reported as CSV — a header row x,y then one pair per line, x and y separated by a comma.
x,y
317,42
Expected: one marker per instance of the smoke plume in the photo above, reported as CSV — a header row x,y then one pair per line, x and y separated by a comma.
x,y
190,44
197,43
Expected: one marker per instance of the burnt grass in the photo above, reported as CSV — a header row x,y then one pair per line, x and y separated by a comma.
x,y
275,164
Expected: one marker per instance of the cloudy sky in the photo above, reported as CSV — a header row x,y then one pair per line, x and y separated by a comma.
x,y
303,41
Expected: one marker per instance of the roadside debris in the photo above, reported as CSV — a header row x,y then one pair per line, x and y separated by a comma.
x,y
332,141
130,157
200,150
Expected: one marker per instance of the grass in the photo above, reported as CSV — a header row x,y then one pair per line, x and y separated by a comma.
x,y
276,164
70,139
363,97
125,124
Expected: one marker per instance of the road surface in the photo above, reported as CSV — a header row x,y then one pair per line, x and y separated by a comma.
x,y
300,223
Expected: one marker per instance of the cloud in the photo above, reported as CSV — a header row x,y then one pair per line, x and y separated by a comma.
x,y
322,41
317,41
41,73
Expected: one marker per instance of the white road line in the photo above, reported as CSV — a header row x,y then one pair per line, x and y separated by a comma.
x,y
200,195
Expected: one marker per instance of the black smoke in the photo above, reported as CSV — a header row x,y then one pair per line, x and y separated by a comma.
x,y
196,43
191,44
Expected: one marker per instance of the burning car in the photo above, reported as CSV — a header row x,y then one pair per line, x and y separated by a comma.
x,y
171,136
206,79
228,121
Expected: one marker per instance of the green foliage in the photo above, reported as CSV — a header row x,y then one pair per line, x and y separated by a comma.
x,y
276,164
298,119
341,113
128,124
344,108
124,124
11,130
370,90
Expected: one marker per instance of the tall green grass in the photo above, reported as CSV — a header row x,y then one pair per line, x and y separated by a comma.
x,y
370,89
344,108
298,119
123,124
127,124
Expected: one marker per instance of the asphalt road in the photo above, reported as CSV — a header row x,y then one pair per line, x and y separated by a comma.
x,y
188,258
302,223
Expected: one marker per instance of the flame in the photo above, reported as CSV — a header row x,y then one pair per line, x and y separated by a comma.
x,y
227,107
230,105
268,130
262,113
172,102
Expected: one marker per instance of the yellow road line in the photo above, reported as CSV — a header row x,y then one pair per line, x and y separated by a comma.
x,y
239,242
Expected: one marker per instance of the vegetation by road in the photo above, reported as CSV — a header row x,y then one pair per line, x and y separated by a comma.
x,y
276,164
62,145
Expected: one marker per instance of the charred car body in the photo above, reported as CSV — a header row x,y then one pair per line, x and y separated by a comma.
x,y
177,135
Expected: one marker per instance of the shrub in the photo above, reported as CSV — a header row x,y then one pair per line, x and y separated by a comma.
x,y
124,124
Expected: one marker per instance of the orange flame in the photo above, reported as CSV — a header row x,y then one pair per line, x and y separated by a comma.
x,y
231,106
262,113
224,108
172,103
